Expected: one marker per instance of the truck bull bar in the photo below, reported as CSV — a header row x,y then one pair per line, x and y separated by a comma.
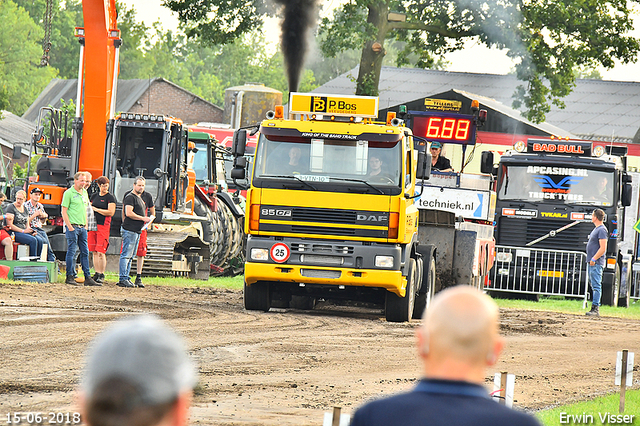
x,y
539,271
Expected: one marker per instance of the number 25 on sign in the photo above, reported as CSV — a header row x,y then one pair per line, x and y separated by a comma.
x,y
279,252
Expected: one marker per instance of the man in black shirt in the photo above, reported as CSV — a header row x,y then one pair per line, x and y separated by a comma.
x,y
438,162
134,220
459,338
141,252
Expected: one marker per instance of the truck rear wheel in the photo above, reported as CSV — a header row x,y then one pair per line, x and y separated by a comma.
x,y
257,296
400,309
423,298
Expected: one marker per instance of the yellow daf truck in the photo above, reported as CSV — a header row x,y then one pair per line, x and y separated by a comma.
x,y
331,211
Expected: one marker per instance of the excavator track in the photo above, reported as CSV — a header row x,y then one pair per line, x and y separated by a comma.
x,y
172,253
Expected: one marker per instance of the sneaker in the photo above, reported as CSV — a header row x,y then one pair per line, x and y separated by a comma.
x,y
71,280
594,312
99,278
138,282
91,282
126,284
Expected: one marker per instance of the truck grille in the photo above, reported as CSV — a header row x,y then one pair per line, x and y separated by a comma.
x,y
302,214
518,232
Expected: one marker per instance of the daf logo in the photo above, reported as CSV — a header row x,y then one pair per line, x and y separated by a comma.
x,y
372,218
276,212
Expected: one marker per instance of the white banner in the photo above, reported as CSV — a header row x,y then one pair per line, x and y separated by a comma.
x,y
470,204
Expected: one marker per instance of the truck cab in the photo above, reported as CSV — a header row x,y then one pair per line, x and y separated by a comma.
x,y
546,193
330,209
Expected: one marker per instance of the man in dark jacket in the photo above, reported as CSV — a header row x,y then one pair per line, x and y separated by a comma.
x,y
457,341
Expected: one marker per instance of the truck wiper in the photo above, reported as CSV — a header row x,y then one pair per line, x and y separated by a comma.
x,y
552,233
361,181
290,177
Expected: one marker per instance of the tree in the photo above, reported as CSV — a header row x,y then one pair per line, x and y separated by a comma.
x,y
546,38
20,52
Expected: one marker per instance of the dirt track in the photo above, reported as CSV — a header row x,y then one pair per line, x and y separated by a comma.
x,y
284,367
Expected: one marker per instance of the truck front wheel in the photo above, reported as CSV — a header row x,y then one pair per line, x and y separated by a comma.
x,y
257,296
400,309
428,290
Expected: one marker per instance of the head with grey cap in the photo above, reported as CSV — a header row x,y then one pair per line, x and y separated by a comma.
x,y
137,373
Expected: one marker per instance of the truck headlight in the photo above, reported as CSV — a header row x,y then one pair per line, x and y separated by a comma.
x,y
384,261
259,254
504,256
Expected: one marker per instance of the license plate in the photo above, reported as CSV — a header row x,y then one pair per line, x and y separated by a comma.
x,y
551,274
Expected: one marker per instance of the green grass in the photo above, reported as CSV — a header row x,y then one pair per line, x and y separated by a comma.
x,y
601,405
212,282
570,306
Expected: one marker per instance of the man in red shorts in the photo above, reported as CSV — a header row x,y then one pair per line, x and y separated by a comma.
x,y
104,207
5,238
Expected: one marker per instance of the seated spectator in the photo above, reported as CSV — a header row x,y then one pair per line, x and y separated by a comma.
x,y
5,238
18,223
457,341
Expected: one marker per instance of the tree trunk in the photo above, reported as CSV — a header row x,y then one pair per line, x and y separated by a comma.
x,y
373,51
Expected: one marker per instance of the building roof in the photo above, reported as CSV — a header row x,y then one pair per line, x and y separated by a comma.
x,y
15,130
595,109
129,92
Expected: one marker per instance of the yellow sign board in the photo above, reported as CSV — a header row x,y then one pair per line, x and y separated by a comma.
x,y
349,106
442,105
551,274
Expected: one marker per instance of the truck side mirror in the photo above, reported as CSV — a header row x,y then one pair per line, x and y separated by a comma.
x,y
239,170
486,162
239,142
626,194
423,169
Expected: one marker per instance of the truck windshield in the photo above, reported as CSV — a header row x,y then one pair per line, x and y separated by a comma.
x,y
321,160
201,162
559,184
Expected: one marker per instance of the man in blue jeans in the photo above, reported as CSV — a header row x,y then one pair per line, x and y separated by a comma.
x,y
134,220
596,248
74,214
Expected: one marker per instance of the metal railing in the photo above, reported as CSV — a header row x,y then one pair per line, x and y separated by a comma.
x,y
540,271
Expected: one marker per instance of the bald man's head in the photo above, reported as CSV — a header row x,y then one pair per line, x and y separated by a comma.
x,y
461,324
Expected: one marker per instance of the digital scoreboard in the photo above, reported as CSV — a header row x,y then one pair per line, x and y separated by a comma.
x,y
444,127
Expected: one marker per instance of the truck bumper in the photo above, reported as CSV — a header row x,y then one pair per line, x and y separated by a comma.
x,y
389,280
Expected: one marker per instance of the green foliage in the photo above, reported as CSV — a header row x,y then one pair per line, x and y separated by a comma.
x,y
21,80
547,39
601,405
20,173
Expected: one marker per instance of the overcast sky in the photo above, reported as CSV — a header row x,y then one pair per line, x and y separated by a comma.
x,y
474,58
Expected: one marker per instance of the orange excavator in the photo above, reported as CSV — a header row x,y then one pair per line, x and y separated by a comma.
x,y
122,147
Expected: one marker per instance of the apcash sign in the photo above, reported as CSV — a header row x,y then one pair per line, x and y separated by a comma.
x,y
469,204
346,106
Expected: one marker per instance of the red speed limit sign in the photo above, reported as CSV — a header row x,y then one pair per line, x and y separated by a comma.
x,y
279,252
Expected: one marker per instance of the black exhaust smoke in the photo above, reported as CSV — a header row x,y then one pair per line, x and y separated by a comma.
x,y
298,18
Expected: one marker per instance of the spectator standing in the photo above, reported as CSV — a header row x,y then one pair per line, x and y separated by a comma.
x,y
134,220
137,373
103,204
141,252
74,214
457,341
438,161
36,215
18,221
596,248
5,238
